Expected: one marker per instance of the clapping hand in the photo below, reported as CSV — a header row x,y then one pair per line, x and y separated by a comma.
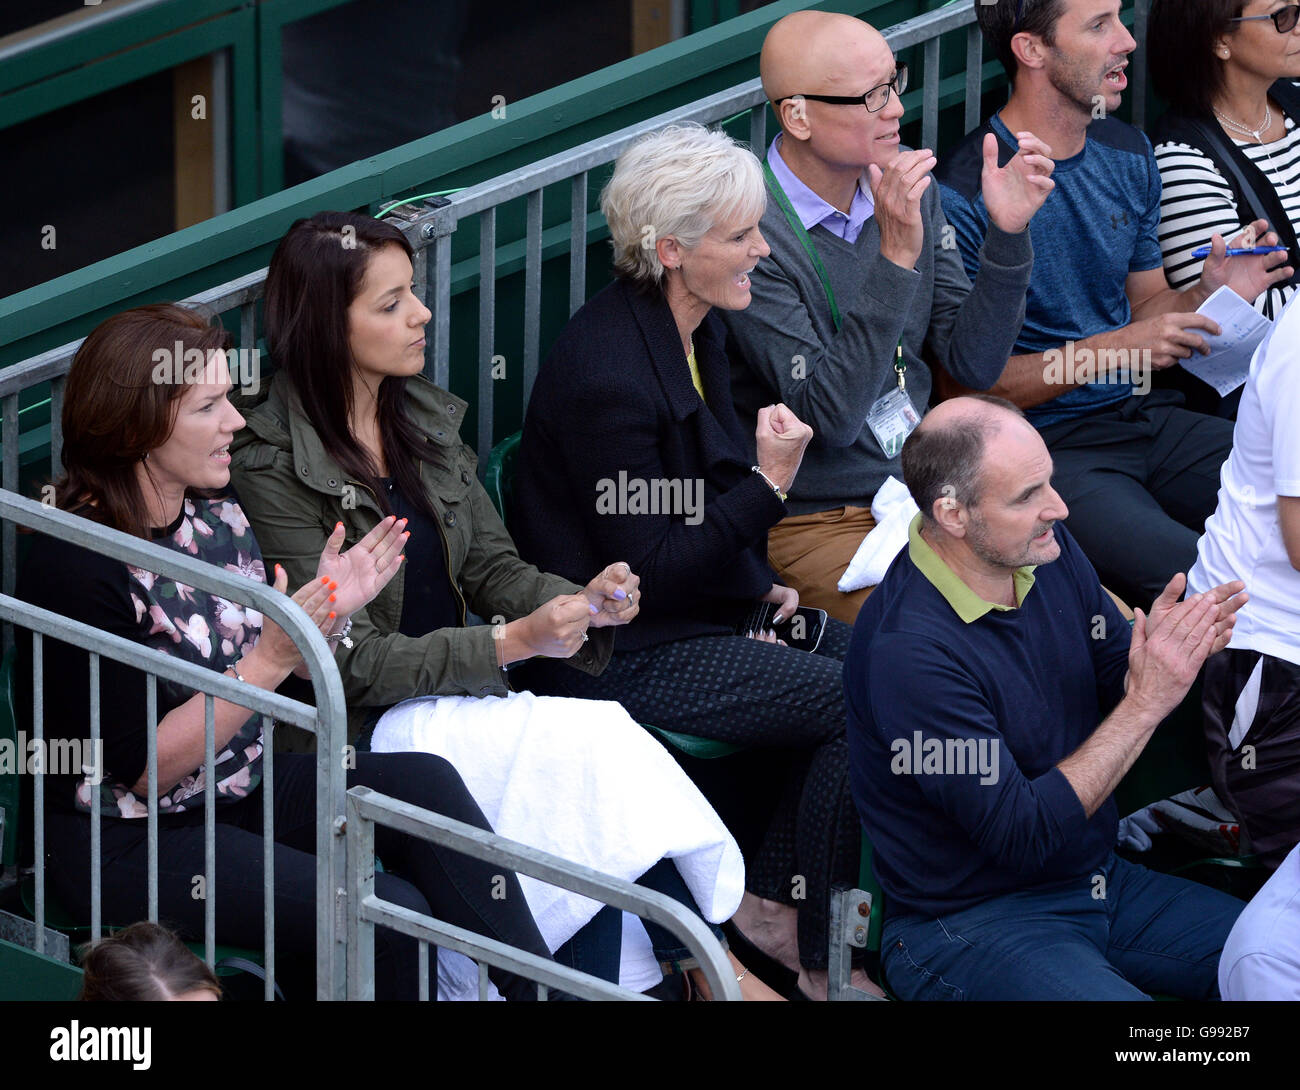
x,y
1226,597
1013,193
365,569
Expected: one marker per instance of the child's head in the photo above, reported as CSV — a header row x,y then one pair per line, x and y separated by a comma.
x,y
145,962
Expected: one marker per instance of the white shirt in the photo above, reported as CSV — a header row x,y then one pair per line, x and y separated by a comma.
x,y
1261,959
1242,539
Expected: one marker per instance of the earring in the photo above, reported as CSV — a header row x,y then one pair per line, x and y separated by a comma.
x,y
145,456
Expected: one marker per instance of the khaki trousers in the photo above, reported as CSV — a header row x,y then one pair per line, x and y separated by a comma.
x,y
810,553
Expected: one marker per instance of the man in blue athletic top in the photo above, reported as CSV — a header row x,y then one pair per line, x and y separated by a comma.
x,y
1139,473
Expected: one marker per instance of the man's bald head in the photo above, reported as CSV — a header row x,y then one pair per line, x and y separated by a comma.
x,y
944,457
818,53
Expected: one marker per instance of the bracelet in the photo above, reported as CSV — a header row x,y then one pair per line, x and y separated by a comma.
x,y
499,644
234,669
770,483
342,635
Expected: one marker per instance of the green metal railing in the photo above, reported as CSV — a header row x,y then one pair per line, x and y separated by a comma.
x,y
501,290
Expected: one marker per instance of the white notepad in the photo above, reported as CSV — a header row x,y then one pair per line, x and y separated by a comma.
x,y
1243,327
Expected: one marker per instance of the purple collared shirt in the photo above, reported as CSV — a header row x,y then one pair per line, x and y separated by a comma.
x,y
811,209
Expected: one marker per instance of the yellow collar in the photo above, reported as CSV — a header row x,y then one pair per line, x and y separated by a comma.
x,y
968,605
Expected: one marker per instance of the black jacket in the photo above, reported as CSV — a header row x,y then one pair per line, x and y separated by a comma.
x,y
614,397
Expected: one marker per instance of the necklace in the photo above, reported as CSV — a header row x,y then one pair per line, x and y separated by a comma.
x,y
1256,133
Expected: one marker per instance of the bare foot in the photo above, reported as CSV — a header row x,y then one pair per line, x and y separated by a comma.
x,y
771,927
752,990
813,983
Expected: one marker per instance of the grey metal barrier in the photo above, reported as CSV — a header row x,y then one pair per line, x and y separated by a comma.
x,y
365,911
430,230
327,720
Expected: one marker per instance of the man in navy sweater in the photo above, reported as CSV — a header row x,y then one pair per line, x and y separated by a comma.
x,y
995,699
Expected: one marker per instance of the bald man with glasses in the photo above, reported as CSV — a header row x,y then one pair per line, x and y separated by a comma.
x,y
864,289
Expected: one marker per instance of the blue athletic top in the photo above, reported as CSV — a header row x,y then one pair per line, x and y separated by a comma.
x,y
1098,225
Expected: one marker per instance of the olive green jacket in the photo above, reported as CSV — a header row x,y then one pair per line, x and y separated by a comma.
x,y
295,494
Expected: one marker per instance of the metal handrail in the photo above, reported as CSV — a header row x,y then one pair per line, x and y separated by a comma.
x,y
429,232
72,27
328,720
367,808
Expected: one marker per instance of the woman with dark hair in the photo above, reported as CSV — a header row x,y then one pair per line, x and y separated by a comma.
x,y
147,425
1229,147
348,432
144,963
632,445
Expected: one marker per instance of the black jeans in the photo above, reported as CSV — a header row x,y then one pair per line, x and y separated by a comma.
x,y
418,875
1140,481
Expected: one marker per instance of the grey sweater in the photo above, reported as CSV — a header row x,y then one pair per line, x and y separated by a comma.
x,y
788,349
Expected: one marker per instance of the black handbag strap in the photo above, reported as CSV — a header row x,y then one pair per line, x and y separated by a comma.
x,y
243,965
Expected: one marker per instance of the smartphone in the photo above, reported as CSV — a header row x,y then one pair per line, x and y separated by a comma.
x,y
803,630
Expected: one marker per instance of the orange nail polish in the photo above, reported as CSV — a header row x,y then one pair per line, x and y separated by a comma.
x,y
332,615
324,578
332,597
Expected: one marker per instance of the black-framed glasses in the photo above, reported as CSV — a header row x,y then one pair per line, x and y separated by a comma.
x,y
874,100
1284,19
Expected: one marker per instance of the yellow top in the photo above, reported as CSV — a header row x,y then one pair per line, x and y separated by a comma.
x,y
968,605
695,373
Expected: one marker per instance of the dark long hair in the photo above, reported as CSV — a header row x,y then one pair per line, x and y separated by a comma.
x,y
118,406
1185,70
315,274
142,963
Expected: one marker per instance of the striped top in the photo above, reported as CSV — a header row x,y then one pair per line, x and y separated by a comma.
x,y
1197,201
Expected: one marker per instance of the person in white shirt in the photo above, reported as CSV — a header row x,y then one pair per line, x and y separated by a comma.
x,y
1252,690
1261,959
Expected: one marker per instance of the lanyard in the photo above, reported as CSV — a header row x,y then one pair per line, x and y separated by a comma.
x,y
796,225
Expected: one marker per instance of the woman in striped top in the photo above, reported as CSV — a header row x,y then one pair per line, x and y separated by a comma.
x,y
1230,65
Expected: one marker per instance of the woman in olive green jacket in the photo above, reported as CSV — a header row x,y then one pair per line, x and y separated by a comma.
x,y
349,432
294,491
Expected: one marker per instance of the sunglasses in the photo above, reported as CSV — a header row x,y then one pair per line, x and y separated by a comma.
x,y
1284,19
874,100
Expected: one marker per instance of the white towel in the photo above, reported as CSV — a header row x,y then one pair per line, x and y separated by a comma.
x,y
893,509
581,779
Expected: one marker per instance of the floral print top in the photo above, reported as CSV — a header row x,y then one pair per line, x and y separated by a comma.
x,y
207,630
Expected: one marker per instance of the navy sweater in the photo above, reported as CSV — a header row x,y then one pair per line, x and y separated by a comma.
x,y
1010,694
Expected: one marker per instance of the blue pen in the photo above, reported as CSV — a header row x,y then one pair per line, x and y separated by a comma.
x,y
1204,251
